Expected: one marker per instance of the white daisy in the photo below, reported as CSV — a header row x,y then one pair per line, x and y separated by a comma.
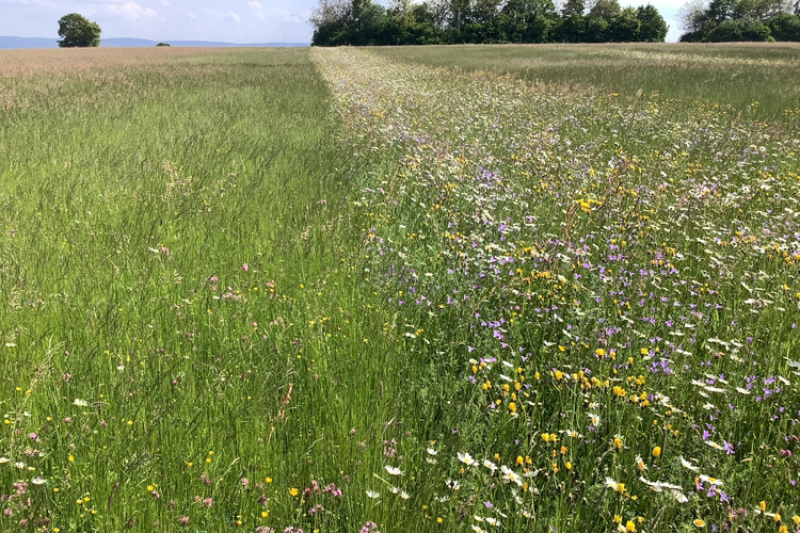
x,y
687,464
713,481
393,471
466,458
679,496
510,475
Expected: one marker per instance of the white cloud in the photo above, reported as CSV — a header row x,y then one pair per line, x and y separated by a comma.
x,y
191,15
233,17
132,11
254,4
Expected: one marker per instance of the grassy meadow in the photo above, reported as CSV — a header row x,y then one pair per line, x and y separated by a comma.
x,y
553,288
735,76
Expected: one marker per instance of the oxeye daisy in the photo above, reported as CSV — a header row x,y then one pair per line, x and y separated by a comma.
x,y
393,471
466,458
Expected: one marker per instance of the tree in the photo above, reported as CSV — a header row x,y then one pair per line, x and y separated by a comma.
x,y
693,20
573,7
77,32
739,30
739,20
605,9
625,27
529,21
401,22
785,27
653,28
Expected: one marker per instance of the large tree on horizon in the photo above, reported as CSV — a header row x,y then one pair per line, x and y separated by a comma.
x,y
76,31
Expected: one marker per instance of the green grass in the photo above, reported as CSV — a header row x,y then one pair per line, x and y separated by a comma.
x,y
236,282
128,212
727,74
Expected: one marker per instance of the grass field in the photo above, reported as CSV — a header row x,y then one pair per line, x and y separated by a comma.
x,y
353,291
735,75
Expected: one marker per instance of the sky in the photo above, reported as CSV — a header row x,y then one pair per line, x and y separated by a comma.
x,y
236,21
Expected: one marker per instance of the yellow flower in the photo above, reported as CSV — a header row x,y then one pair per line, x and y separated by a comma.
x,y
512,407
657,451
796,520
630,527
617,519
777,517
617,443
268,480
150,488
699,523
762,506
264,514
293,491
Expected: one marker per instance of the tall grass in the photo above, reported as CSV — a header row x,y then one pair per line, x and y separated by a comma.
x,y
734,76
604,295
172,244
323,290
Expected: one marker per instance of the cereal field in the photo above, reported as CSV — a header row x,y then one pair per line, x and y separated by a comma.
x,y
419,289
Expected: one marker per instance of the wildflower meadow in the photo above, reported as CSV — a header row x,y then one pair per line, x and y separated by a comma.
x,y
359,290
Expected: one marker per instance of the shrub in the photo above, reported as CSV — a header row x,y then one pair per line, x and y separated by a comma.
x,y
739,30
785,27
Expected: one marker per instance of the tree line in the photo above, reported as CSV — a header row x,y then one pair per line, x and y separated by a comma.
x,y
402,22
741,20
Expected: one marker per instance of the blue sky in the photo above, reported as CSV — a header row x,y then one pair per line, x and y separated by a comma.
x,y
240,21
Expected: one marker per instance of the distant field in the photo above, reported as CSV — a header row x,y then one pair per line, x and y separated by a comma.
x,y
728,74
347,290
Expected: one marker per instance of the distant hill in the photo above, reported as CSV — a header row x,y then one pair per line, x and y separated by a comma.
x,y
39,42
27,42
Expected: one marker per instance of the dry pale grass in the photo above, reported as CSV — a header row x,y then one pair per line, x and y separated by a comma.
x,y
21,63
30,77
